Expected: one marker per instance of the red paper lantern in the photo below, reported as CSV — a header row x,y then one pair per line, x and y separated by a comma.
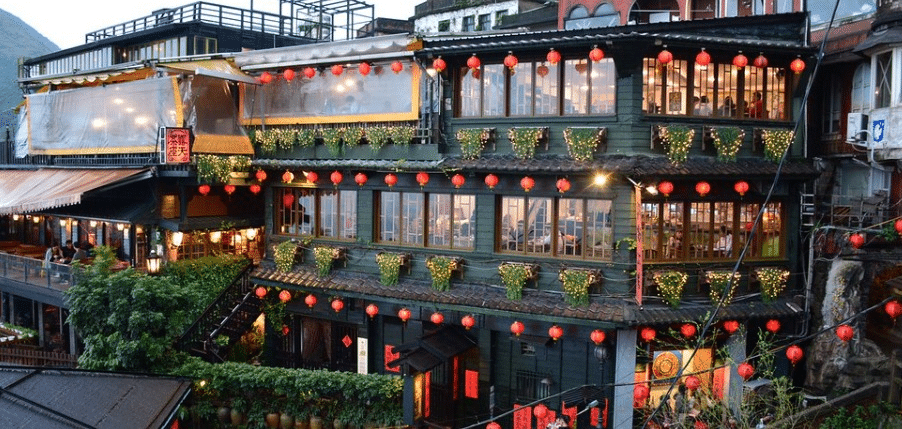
x,y
336,177
437,318
458,180
527,183
844,332
640,392
703,58
260,291
597,336
794,353
288,199
797,65
311,176
665,57
563,185
703,188
493,425
517,328
439,64
422,178
372,310
745,370
540,411
391,179
397,66
360,178
731,326
511,61
555,332
856,240
688,330
741,187
740,60
491,181
773,325
284,296
285,330
203,189
287,176
647,334
760,61
468,321
749,226
553,56
364,68
692,382
893,309
310,300
338,69
255,188
288,74
229,189
700,425
665,188
898,226
309,72
404,314
260,175
338,305
265,78
542,70
473,62
596,54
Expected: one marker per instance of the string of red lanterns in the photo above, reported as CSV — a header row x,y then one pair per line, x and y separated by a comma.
x,y
437,318
255,189
491,181
439,64
360,179
731,326
597,336
511,61
517,328
391,179
468,321
740,60
310,300
287,177
337,305
229,189
337,69
473,62
555,332
372,310
422,179
553,56
563,185
260,175
745,370
773,325
794,353
284,296
364,68
458,180
703,58
404,314
844,332
856,240
703,188
527,183
311,176
336,177
688,330
596,54
203,189
647,334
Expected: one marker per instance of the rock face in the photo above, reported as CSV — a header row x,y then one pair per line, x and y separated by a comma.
x,y
17,40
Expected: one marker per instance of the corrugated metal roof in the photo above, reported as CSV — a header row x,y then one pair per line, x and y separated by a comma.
x,y
23,191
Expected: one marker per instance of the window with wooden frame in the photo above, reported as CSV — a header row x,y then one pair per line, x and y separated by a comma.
x,y
432,220
327,213
562,227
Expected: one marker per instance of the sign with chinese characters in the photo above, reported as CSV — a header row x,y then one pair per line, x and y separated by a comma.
x,y
178,145
362,357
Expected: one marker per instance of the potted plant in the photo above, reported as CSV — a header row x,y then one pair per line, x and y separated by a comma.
x,y
218,169
718,281
353,135
390,266
306,137
285,138
266,140
514,276
670,286
377,136
678,139
332,139
581,142
441,268
402,134
284,255
728,140
576,282
524,140
472,141
776,142
324,256
772,281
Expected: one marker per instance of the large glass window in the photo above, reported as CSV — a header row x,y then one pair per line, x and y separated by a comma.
x,y
566,227
884,80
316,212
434,220
861,88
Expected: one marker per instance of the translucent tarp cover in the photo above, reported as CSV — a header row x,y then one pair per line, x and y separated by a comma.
x,y
210,109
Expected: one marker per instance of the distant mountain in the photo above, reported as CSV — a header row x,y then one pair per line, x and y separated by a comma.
x,y
17,40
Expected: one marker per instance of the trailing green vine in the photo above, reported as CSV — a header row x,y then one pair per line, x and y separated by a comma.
x,y
525,140
306,137
323,257
389,267
728,140
576,286
719,281
441,267
284,255
353,135
402,134
332,139
581,142
472,141
776,142
514,277
678,139
773,281
377,136
217,169
670,286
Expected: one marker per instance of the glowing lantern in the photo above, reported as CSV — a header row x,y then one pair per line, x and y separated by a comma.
x,y
260,291
688,330
760,61
288,74
493,425
794,353
745,370
749,226
898,226
540,411
287,176
553,56
458,180
692,382
260,175
364,68
337,69
285,330
265,77
473,62
731,326
640,392
397,67
597,336
517,328
422,178
555,332
856,240
740,60
542,70
372,310
255,188
284,296
309,72
703,58
647,334
491,181
703,188
229,189
665,57
203,189
310,300
439,64
665,188
797,65
336,177
360,179
287,200
467,321
596,54
563,185
391,179
404,314
741,187
772,325
527,183
311,176
337,305
511,61
844,332
437,318
893,308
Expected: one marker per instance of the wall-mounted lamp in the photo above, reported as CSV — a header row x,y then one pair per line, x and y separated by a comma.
x,y
215,236
16,217
177,238
36,219
63,223
154,262
120,226
251,233
600,179
651,189
93,223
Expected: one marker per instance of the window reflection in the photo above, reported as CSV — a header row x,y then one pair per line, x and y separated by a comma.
x,y
564,227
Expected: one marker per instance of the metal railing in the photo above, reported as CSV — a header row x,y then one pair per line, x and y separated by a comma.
x,y
854,210
31,271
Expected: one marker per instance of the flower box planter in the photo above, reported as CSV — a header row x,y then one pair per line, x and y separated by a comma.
x,y
582,142
514,276
670,285
576,283
675,140
771,281
325,257
525,139
473,141
717,281
442,268
390,265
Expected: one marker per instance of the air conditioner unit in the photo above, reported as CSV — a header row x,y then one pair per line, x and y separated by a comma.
x,y
856,127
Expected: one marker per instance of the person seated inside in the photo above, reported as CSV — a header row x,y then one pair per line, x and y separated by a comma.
x,y
725,242
704,107
68,251
728,108
81,253
756,107
675,244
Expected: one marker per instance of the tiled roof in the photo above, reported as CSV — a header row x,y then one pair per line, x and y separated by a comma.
x,y
373,164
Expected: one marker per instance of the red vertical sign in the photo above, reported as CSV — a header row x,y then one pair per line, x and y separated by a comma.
x,y
471,384
640,246
522,417
178,145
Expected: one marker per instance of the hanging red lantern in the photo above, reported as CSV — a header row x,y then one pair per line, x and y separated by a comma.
x,y
772,325
493,425
555,332
517,328
893,309
540,411
527,183
260,175
640,392
255,189
745,370
473,62
688,330
597,336
511,61
749,226
287,177
647,334
703,58
229,189
844,332
309,72
372,310
703,188
665,188
760,61
665,57
260,291
203,189
553,56
284,296
741,187
797,65
288,199
700,425
360,179
439,64
285,330
731,326
288,74
337,69
794,353
856,240
404,314
310,300
563,185
740,60
422,178
397,66
437,318
467,321
336,177
364,68
491,181
692,382
311,176
898,226
265,78
391,179
338,305
596,54
542,70
458,180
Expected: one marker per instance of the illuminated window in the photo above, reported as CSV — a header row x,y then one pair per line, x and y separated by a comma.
x,y
434,220
564,227
315,212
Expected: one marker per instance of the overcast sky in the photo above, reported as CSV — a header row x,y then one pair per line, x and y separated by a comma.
x,y
65,22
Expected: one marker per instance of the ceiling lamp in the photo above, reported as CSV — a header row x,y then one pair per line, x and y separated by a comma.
x,y
563,185
596,54
458,180
310,300
665,57
309,72
229,189
527,183
491,181
760,61
473,62
437,318
597,336
404,314
288,74
741,187
553,56
665,188
555,332
311,176
364,68
468,321
336,177
265,78
740,60
703,58
391,179
360,179
517,328
397,66
203,189
260,175
337,69
511,61
797,65
372,310
439,64
255,189
284,296
287,177
422,178
338,305
703,188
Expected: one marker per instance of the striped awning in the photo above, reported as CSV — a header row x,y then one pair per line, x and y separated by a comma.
x,y
26,191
